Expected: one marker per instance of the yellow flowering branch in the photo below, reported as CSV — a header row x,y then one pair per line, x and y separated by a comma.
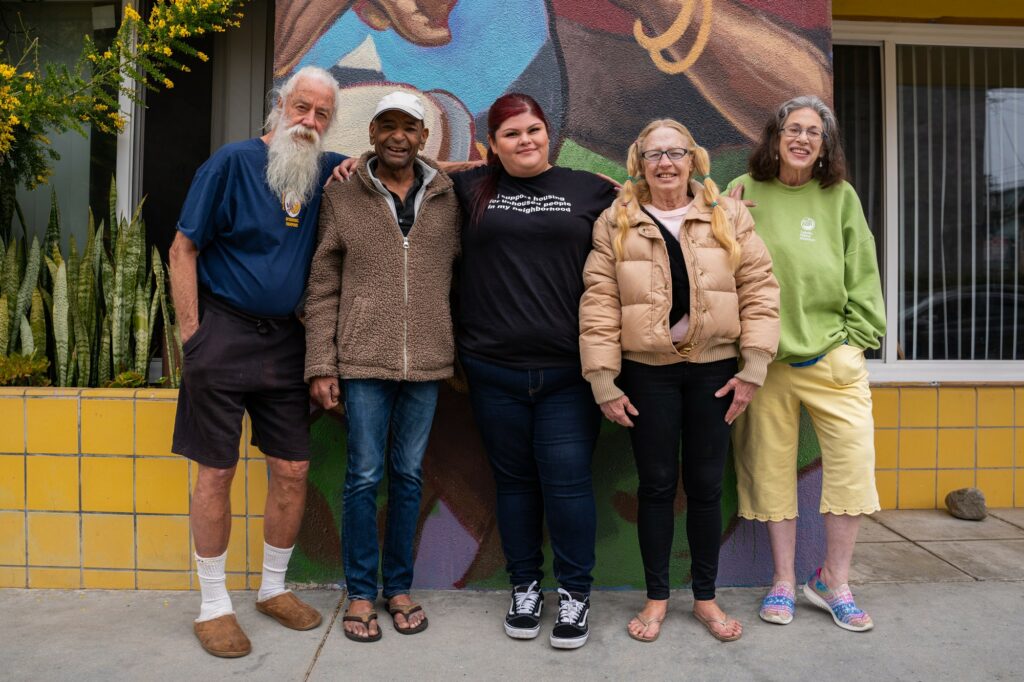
x,y
37,98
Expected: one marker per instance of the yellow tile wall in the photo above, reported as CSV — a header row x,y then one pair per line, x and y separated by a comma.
x,y
12,424
108,580
12,538
12,576
51,483
161,485
51,423
163,543
107,484
930,440
108,541
100,501
107,426
105,506
53,539
12,481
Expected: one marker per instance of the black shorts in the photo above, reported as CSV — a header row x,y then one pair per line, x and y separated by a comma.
x,y
233,363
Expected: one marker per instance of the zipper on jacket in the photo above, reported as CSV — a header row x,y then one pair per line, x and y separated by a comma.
x,y
695,299
405,314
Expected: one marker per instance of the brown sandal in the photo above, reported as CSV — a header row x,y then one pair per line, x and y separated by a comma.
x,y
365,620
407,610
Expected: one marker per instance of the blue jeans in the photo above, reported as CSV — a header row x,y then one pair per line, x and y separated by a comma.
x,y
376,409
539,428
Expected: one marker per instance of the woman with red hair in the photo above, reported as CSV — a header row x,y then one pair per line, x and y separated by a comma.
x,y
525,240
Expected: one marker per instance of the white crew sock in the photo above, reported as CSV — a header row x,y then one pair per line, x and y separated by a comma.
x,y
275,565
213,586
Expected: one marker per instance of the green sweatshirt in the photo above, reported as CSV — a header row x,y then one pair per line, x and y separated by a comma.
x,y
823,256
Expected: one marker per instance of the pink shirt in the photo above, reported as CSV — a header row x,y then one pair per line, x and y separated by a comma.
x,y
673,222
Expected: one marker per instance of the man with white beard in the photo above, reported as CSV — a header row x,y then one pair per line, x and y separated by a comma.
x,y
238,268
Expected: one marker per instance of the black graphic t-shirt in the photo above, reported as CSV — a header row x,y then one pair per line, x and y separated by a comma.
x,y
522,266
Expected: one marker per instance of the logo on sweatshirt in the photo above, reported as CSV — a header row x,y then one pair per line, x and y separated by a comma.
x,y
807,226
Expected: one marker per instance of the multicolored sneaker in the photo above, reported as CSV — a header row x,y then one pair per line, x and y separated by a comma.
x,y
838,602
779,604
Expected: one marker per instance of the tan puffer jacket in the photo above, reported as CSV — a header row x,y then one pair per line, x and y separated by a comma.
x,y
624,310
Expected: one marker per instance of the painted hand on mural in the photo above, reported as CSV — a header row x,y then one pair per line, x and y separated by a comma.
x,y
301,23
749,55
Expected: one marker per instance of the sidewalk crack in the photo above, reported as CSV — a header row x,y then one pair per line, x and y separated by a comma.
x,y
327,633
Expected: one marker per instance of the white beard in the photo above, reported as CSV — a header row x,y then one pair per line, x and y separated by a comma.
x,y
293,163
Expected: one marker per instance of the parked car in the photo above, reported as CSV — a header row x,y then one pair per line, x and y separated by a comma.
x,y
967,323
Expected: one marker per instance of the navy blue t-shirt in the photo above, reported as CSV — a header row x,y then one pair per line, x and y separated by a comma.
x,y
253,253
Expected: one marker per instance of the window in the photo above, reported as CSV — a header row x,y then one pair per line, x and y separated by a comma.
x,y
933,123
82,175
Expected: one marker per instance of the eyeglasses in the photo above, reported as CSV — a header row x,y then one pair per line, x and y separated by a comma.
x,y
794,131
654,155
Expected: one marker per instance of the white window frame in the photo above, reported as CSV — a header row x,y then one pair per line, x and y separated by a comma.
x,y
887,36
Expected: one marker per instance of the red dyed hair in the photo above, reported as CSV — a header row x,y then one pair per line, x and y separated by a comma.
x,y
504,108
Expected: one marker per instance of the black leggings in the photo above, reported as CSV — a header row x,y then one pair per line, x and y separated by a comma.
x,y
678,401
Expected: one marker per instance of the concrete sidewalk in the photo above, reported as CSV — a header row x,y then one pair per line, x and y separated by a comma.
x,y
945,608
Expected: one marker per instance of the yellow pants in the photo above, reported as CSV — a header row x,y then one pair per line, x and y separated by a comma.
x,y
835,392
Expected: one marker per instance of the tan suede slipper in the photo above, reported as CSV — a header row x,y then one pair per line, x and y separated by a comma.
x,y
223,637
290,611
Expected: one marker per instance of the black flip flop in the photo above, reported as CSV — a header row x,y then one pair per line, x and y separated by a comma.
x,y
365,620
407,610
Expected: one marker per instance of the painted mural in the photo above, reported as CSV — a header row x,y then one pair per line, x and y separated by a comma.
x,y
601,69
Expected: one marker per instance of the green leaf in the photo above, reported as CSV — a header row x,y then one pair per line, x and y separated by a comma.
x,y
5,323
37,319
53,226
28,346
113,211
103,366
60,322
141,323
172,340
28,284
154,309
11,281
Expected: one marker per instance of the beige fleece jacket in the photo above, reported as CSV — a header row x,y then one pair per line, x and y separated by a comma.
x,y
377,302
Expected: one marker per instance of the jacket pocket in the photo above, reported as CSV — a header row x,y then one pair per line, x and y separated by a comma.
x,y
350,333
847,365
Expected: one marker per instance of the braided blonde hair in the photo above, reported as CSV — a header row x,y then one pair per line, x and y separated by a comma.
x,y
637,190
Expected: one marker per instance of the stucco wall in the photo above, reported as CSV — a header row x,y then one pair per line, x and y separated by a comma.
x,y
601,70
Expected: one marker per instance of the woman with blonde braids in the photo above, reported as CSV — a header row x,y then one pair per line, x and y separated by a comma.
x,y
679,294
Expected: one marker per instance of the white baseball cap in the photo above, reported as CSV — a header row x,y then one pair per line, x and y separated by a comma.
x,y
400,101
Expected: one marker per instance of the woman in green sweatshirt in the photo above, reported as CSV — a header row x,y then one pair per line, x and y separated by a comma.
x,y
831,311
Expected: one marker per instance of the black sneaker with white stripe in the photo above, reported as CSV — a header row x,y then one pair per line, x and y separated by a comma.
x,y
523,618
571,629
